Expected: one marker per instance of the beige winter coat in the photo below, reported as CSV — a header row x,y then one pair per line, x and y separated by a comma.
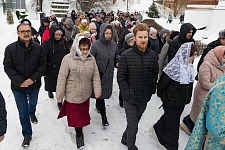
x,y
77,78
209,71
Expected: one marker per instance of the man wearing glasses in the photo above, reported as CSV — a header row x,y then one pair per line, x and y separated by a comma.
x,y
24,63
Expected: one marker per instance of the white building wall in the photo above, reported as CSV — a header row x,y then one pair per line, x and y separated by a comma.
x,y
218,22
199,15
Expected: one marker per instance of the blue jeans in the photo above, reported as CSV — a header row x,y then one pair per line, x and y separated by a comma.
x,y
26,104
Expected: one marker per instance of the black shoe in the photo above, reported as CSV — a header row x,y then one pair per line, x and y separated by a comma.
x,y
59,105
26,142
50,95
33,119
124,141
80,140
105,121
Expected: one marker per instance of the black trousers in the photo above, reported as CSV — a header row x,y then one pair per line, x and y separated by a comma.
x,y
167,127
79,131
100,103
133,116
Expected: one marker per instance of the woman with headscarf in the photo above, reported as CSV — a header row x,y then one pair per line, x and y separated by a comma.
x,y
210,70
175,90
78,75
55,48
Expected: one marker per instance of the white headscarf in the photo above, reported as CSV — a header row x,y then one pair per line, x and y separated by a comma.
x,y
179,68
75,46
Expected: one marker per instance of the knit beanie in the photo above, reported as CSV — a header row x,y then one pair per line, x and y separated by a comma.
x,y
152,30
173,34
129,37
92,26
45,19
222,34
84,21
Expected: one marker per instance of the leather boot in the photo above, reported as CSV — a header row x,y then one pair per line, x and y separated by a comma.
x,y
80,140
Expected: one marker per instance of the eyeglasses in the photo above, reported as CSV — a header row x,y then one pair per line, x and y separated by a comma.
x,y
84,49
25,31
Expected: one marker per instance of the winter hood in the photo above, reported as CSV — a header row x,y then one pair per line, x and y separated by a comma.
x,y
75,47
103,28
185,28
53,29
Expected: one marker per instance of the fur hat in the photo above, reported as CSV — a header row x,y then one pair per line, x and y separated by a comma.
x,y
152,30
129,37
92,26
222,34
173,34
163,31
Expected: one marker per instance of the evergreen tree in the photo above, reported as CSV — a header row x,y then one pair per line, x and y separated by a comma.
x,y
9,17
153,11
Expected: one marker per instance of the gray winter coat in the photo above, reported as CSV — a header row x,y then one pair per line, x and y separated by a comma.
x,y
106,55
163,56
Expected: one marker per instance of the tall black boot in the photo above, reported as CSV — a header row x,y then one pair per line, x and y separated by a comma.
x,y
104,120
80,140
79,137
101,104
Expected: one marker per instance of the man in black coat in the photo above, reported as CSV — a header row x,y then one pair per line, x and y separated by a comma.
x,y
25,63
137,77
3,121
212,45
187,31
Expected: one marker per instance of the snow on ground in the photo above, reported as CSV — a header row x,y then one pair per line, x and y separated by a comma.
x,y
53,134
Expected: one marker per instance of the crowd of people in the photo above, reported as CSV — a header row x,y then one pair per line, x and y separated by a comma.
x,y
77,57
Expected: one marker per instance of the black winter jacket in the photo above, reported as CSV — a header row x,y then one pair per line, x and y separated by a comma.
x,y
210,46
176,43
137,75
3,121
55,50
172,93
125,47
21,63
122,38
